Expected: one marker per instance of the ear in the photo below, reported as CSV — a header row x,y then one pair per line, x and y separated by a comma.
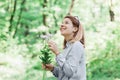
x,y
75,29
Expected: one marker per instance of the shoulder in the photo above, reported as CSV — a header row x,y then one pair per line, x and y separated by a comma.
x,y
77,47
78,44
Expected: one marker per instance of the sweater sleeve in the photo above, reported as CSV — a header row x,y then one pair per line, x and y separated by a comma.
x,y
70,64
55,71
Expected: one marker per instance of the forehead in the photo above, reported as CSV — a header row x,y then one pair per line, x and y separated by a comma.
x,y
66,19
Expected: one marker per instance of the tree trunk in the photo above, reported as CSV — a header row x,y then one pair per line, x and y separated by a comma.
x,y
26,30
111,12
111,15
44,14
71,7
21,9
55,19
12,16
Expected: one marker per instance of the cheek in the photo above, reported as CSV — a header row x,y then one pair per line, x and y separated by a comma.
x,y
70,28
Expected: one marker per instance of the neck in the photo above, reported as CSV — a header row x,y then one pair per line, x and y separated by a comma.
x,y
69,38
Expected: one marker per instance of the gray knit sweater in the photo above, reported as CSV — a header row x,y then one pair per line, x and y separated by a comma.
x,y
71,63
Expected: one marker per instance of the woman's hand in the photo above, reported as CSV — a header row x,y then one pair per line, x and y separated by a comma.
x,y
48,67
53,47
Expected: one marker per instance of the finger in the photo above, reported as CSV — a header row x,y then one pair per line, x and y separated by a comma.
x,y
43,66
47,68
47,65
51,42
51,47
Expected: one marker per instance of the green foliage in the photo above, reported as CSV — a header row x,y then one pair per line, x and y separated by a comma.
x,y
45,58
106,64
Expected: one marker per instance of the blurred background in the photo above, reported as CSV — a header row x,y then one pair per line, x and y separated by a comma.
x,y
25,24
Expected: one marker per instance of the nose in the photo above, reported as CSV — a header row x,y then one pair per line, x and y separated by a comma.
x,y
61,25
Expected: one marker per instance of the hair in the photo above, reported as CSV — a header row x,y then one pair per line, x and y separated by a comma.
x,y
79,35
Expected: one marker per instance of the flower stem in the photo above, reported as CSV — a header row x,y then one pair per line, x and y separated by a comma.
x,y
44,75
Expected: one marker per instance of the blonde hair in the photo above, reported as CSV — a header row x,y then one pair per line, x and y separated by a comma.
x,y
79,35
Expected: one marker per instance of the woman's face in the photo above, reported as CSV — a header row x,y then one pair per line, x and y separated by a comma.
x,y
67,27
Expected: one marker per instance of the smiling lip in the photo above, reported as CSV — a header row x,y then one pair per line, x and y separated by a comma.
x,y
62,29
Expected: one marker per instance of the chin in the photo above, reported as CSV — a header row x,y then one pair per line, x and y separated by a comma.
x,y
62,34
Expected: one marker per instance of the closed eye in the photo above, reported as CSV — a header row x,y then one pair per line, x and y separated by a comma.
x,y
66,22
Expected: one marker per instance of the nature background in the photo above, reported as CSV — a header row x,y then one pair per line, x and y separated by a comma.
x,y
25,24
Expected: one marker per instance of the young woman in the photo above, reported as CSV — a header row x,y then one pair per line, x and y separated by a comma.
x,y
71,61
